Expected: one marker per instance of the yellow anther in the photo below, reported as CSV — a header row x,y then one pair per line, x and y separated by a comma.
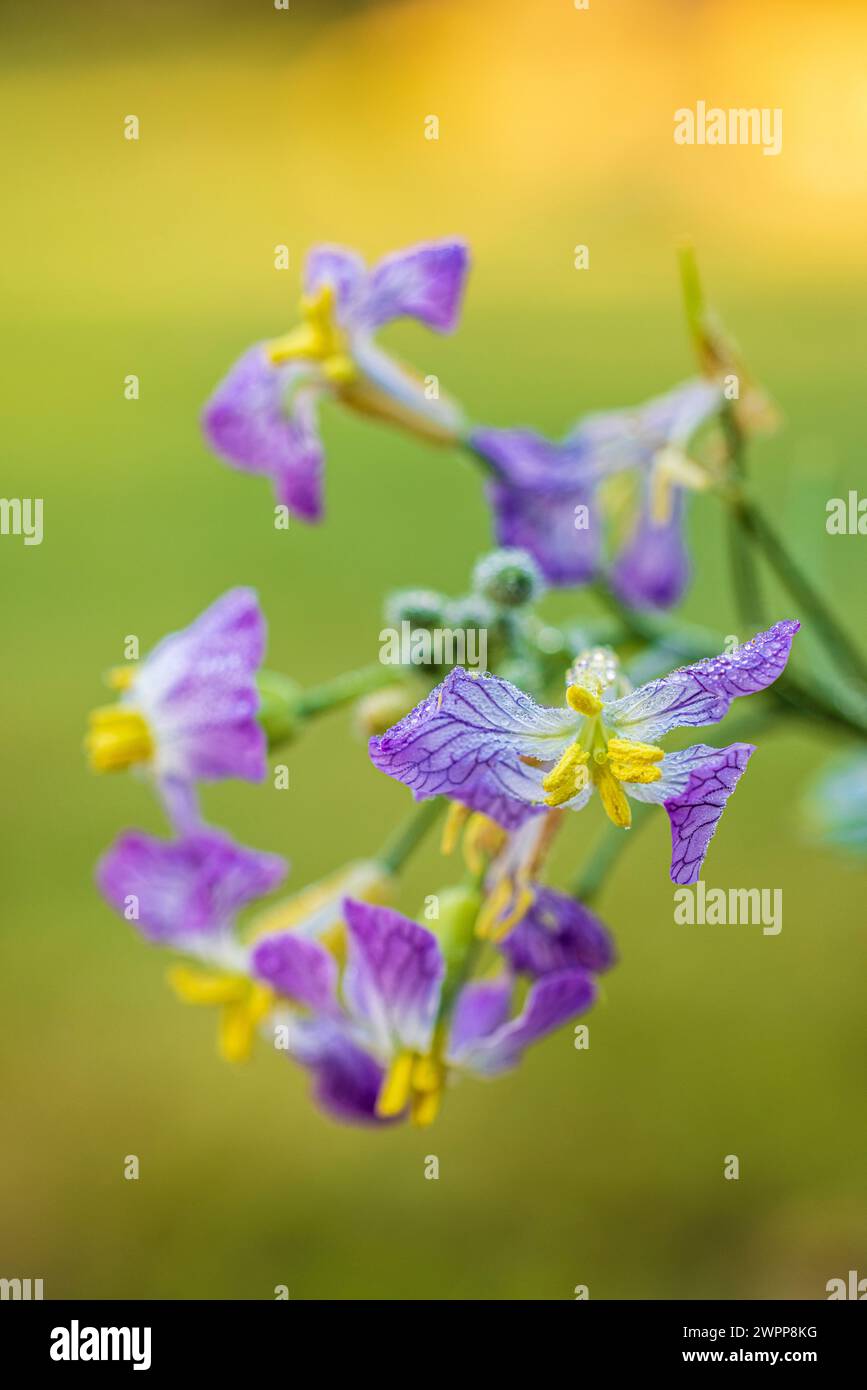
x,y
493,905
121,677
567,778
582,701
318,339
117,738
504,909
456,819
239,1022
625,749
483,840
394,1095
635,772
243,1003
425,1108
613,797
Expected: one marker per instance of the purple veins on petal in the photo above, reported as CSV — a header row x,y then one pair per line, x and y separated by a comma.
x,y
393,976
702,694
466,741
694,813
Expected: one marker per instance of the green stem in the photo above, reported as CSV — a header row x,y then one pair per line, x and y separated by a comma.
x,y
410,835
342,690
587,884
762,535
745,575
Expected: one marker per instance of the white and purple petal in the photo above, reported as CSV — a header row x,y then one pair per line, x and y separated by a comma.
x,y
425,282
261,419
466,741
393,977
179,892
347,1080
197,692
701,694
344,270
552,1001
695,785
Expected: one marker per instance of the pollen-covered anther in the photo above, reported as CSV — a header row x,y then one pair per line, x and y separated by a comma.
x,y
583,701
634,762
567,778
118,737
318,339
614,800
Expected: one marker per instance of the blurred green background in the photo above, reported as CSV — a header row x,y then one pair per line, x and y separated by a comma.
x,y
156,258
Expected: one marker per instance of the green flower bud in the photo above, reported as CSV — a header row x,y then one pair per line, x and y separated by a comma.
x,y
423,608
280,699
509,578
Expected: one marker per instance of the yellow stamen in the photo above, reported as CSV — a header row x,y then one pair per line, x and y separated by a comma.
x,y
567,778
242,1002
582,701
318,339
425,1108
635,752
482,841
239,1022
612,796
496,903
456,819
428,1083
206,987
635,772
121,677
524,900
394,1095
117,738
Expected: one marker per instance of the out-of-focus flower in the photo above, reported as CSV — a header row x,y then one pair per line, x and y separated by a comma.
x,y
187,712
377,1040
186,894
546,496
835,809
262,417
487,744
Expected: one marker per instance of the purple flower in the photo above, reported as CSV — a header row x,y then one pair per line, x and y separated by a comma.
x,y
186,893
262,417
558,933
376,1041
187,712
545,496
483,742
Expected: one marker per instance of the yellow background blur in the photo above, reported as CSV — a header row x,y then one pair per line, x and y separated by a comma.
x,y
261,127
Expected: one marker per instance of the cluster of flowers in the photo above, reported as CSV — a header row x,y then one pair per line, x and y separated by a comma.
x,y
381,1010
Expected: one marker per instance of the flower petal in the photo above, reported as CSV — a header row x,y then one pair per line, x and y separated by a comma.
x,y
481,1008
466,741
561,531
702,694
347,1080
696,784
249,422
184,890
197,691
558,933
425,282
552,1000
299,969
393,976
653,568
337,266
